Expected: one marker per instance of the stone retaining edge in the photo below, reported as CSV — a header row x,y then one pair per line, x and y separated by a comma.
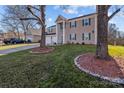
x,y
115,80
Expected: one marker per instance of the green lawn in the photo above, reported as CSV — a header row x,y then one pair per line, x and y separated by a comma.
x,y
55,69
13,46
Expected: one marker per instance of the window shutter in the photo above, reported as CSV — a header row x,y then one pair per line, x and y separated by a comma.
x,y
75,36
70,36
75,24
70,24
89,36
89,21
83,36
83,22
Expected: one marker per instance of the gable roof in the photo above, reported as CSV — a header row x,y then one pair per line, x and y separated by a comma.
x,y
82,16
51,26
60,17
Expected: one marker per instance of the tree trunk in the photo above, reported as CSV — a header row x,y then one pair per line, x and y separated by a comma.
x,y
102,34
18,33
42,42
25,38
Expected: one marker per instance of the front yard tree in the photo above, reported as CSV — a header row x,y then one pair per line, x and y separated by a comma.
x,y
102,28
38,14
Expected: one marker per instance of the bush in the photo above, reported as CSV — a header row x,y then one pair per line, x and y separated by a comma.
x,y
68,43
29,41
83,43
54,43
77,43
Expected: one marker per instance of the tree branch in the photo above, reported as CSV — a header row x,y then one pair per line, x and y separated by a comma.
x,y
38,18
112,15
34,8
28,18
29,9
109,6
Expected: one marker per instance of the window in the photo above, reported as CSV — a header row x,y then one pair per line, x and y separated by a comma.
x,y
86,36
83,36
72,36
86,22
73,24
49,30
61,26
89,36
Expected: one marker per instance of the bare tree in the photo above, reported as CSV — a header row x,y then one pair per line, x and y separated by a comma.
x,y
38,14
13,14
115,36
10,25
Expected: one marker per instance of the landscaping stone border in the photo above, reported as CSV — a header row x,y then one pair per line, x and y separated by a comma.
x,y
115,80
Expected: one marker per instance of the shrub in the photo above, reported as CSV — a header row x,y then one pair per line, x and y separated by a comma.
x,y
83,43
77,43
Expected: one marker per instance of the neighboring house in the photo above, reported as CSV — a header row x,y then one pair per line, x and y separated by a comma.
x,y
80,30
11,34
34,35
1,39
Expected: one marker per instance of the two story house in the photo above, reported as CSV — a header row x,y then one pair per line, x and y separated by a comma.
x,y
80,30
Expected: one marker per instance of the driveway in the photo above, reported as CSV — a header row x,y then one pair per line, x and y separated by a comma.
x,y
7,51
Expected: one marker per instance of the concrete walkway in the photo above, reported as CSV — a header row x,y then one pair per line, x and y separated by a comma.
x,y
7,51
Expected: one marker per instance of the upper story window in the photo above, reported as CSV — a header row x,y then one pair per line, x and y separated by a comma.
x,y
49,30
86,22
61,26
73,24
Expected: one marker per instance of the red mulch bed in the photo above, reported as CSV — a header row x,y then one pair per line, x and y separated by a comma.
x,y
42,50
113,68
